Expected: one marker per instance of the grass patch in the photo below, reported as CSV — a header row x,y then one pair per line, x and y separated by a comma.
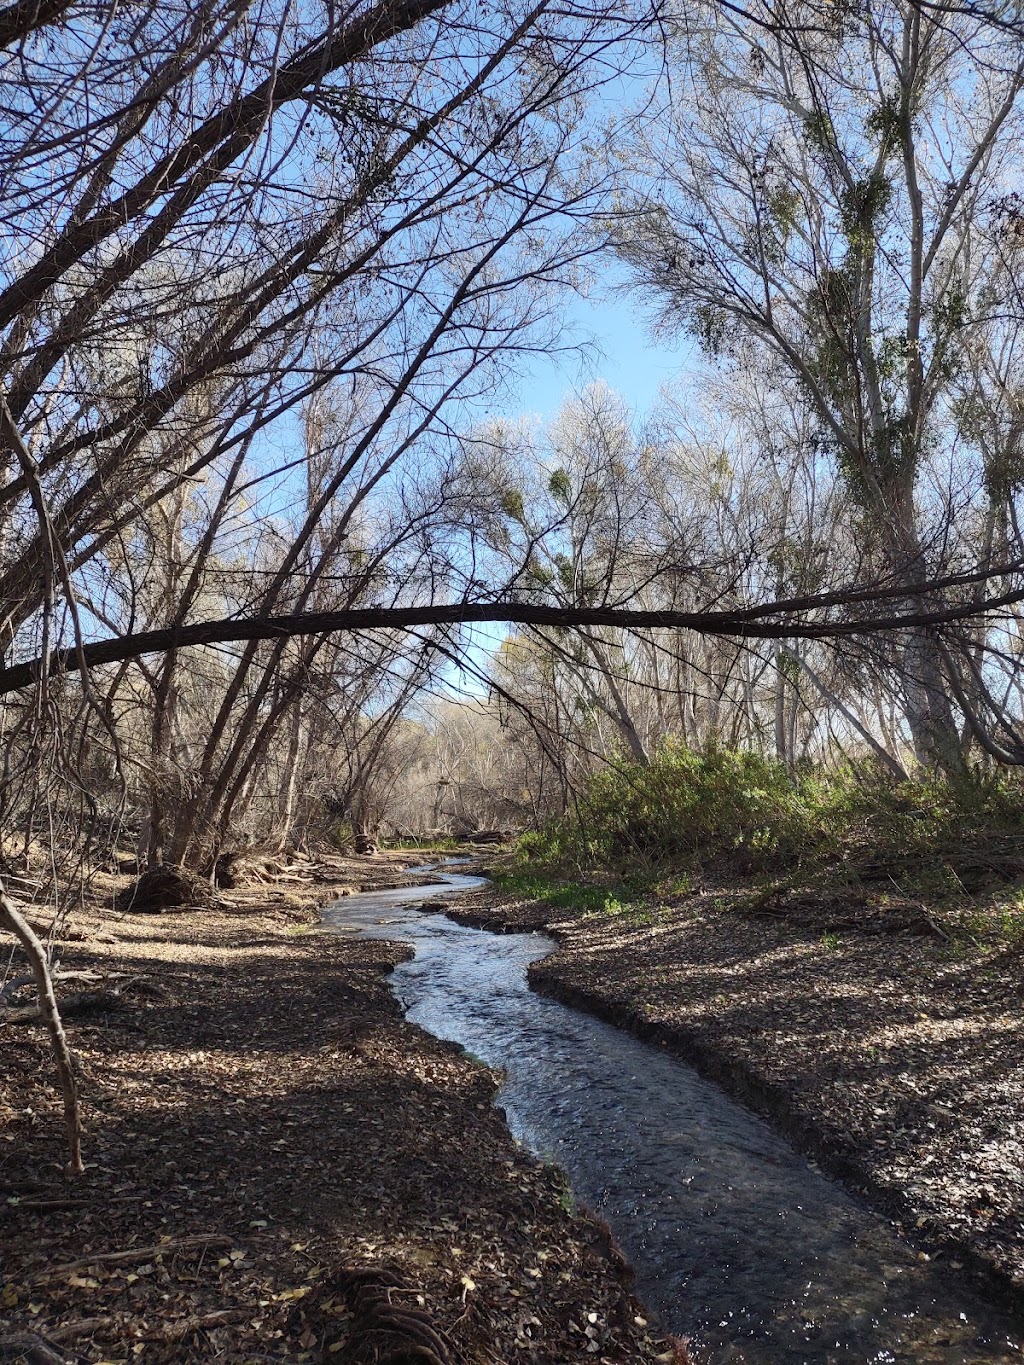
x,y
628,898
558,893
995,922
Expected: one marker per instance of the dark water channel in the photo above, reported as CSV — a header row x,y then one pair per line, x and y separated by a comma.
x,y
738,1243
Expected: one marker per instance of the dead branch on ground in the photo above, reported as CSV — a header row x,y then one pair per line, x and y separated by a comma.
x,y
11,918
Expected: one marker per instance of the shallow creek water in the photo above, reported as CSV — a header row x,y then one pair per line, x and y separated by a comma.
x,y
738,1242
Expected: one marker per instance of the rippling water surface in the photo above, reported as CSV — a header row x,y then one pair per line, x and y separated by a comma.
x,y
738,1243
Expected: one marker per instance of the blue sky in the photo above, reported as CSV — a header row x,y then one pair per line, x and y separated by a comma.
x,y
624,355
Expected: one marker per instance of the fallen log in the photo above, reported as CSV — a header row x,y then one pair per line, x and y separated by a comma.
x,y
71,1007
68,1331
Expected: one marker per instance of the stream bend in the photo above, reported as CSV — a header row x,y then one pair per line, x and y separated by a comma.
x,y
738,1242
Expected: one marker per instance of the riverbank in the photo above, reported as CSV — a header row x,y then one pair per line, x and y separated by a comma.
x,y
889,1053
279,1167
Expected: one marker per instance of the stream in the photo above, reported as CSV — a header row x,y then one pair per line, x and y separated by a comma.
x,y
738,1242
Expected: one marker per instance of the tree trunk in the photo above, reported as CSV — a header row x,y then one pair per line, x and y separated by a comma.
x,y
291,777
782,747
933,727
160,758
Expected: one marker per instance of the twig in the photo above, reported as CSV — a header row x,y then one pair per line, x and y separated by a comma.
x,y
184,1327
31,1347
45,1205
935,926
211,1241
40,929
69,1330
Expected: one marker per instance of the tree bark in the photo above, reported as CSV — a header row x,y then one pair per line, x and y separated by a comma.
x,y
291,777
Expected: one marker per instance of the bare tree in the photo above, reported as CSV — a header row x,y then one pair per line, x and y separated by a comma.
x,y
820,199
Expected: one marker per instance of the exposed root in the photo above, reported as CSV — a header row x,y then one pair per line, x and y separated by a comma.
x,y
168,887
385,1332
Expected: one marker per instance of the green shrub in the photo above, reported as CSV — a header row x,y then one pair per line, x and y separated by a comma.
x,y
682,808
561,895
741,810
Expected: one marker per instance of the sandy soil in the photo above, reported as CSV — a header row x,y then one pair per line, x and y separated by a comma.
x,y
279,1167
890,1053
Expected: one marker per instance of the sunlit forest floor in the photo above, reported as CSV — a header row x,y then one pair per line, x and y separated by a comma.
x,y
278,1166
885,1035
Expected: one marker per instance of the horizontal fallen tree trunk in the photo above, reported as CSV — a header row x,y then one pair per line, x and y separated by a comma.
x,y
796,617
72,1006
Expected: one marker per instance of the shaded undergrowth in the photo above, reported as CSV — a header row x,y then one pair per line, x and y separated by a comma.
x,y
642,835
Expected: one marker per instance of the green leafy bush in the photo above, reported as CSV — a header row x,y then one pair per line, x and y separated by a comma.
x,y
741,810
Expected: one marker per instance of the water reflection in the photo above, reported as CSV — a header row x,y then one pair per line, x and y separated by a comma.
x,y
737,1242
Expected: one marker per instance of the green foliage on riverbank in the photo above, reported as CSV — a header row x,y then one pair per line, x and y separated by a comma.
x,y
738,811
576,896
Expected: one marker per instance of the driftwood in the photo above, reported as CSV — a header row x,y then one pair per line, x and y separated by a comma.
x,y
179,1330
243,866
184,1328
71,1007
12,919
103,999
68,1331
47,929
